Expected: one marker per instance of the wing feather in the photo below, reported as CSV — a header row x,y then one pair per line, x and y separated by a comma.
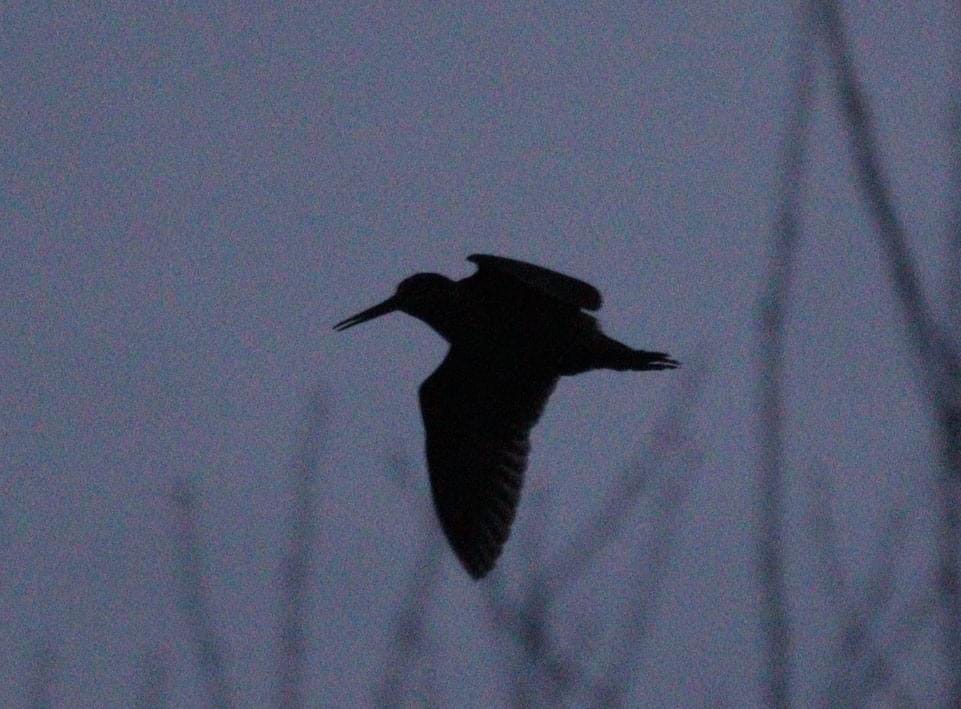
x,y
551,283
477,421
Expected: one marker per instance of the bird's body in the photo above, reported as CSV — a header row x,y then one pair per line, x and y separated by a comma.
x,y
514,330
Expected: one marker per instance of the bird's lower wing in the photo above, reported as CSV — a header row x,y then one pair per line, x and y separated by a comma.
x,y
477,420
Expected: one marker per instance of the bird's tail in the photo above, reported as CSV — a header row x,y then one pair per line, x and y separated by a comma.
x,y
616,355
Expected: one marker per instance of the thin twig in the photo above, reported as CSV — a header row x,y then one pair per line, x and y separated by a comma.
x,y
634,483
953,259
155,687
937,356
527,624
195,598
775,617
863,666
46,662
296,564
940,365
878,673
555,675
861,657
526,686
649,565
410,634
824,530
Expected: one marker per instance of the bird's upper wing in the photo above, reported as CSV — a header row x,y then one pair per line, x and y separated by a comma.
x,y
477,420
556,285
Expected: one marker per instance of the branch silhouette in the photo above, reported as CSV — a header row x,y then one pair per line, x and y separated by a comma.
x,y
552,674
296,565
953,256
46,666
154,690
862,666
786,234
940,365
195,598
411,644
634,483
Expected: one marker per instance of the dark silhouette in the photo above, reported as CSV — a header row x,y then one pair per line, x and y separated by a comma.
x,y
514,330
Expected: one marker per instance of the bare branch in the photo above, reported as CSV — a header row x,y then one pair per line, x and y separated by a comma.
x,y
953,257
297,562
824,529
195,598
862,663
46,663
155,687
924,332
878,669
863,666
649,568
552,675
526,623
410,635
775,618
633,484
940,365
526,689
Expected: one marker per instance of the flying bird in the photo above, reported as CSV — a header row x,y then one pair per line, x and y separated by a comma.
x,y
514,329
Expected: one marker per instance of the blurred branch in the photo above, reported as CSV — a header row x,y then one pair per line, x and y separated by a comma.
x,y
559,673
632,485
862,666
875,668
953,259
525,689
878,671
43,675
155,687
545,674
649,567
939,360
775,617
824,529
194,598
410,642
297,562
551,675
410,634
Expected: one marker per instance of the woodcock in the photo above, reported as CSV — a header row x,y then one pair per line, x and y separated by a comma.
x,y
514,329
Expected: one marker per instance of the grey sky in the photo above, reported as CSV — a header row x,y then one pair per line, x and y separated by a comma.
x,y
192,198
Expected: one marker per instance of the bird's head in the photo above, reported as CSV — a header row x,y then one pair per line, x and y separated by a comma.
x,y
415,296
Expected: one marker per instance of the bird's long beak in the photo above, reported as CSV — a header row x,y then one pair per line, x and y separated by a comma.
x,y
388,306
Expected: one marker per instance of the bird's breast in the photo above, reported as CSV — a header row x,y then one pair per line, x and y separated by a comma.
x,y
527,338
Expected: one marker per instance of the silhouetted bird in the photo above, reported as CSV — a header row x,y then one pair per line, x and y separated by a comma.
x,y
514,329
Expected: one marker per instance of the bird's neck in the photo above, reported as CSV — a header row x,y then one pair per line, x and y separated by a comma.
x,y
444,318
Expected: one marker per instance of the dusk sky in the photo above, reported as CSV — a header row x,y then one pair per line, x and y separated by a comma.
x,y
193,197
